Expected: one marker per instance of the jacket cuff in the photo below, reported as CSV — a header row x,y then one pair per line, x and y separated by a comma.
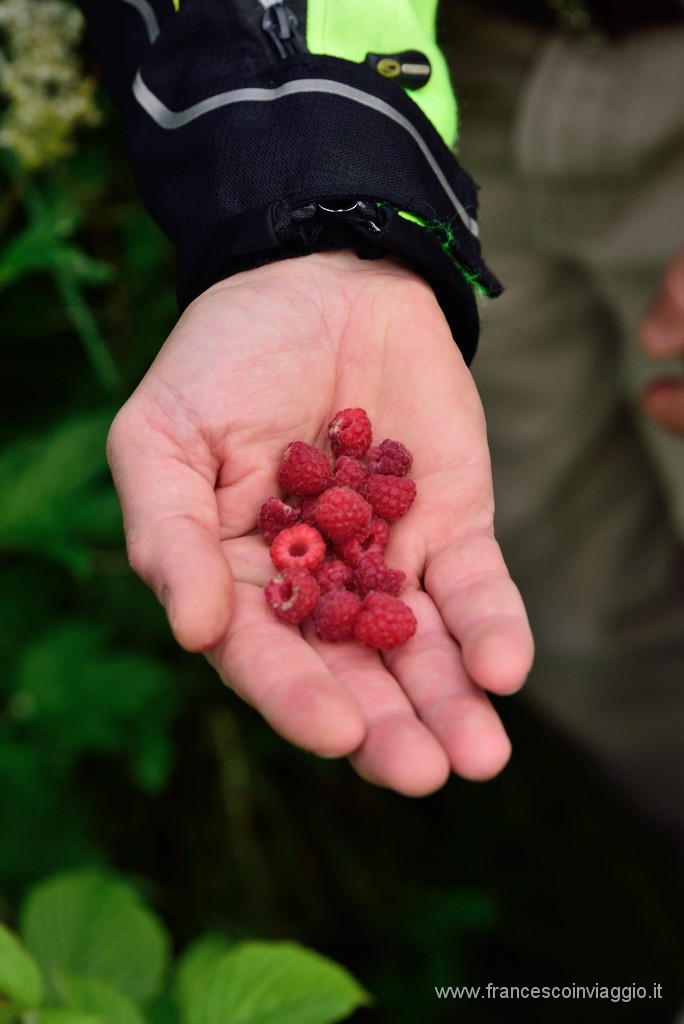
x,y
242,176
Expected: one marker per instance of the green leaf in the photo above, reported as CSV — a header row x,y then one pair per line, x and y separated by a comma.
x,y
163,1010
43,823
75,691
55,493
20,980
90,995
43,244
274,983
39,469
197,965
152,758
81,693
59,1015
89,925
38,248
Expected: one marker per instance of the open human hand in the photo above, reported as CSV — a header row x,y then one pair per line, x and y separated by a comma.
x,y
662,336
264,358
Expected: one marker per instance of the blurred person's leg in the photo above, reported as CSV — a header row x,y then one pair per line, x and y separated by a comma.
x,y
580,155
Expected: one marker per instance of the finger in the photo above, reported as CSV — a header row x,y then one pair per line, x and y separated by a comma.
x,y
172,532
663,401
246,479
398,751
662,329
430,669
483,610
270,665
662,332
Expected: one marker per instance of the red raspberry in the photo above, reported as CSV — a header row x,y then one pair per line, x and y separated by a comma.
x,y
373,539
391,458
299,545
274,516
292,594
389,496
341,513
335,615
350,472
378,536
350,433
307,511
384,621
349,550
372,573
304,470
333,575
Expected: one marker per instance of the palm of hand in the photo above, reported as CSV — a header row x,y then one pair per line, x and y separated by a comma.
x,y
265,358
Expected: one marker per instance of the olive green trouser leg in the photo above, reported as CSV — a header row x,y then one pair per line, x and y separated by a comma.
x,y
580,155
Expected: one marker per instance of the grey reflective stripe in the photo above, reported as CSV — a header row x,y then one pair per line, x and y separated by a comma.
x,y
149,17
171,119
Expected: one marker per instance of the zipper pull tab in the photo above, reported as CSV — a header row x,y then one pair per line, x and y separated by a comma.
x,y
280,23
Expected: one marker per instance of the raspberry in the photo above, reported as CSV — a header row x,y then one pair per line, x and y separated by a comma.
x,y
333,575
350,433
307,511
384,621
335,615
350,472
389,496
373,539
343,507
341,513
378,536
348,551
274,516
305,470
391,458
372,573
292,594
300,546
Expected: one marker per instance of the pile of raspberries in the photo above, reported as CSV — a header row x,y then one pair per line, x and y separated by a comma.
x,y
328,536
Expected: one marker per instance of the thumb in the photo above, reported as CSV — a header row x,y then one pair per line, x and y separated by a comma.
x,y
172,530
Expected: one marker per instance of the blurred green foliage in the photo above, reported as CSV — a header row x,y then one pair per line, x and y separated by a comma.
x,y
76,681
120,753
89,950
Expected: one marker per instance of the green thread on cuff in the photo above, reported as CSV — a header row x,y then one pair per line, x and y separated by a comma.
x,y
445,233
412,217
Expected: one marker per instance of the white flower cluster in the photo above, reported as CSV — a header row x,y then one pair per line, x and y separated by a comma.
x,y
46,96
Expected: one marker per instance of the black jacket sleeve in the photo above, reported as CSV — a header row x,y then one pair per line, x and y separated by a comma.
x,y
247,148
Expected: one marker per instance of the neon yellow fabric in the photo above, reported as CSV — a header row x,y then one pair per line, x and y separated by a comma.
x,y
176,4
352,28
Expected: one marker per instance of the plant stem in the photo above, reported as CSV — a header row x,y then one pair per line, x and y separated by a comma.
x,y
93,343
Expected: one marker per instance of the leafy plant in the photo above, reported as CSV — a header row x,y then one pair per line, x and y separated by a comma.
x,y
91,953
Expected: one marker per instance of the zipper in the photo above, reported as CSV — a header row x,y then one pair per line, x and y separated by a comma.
x,y
280,23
